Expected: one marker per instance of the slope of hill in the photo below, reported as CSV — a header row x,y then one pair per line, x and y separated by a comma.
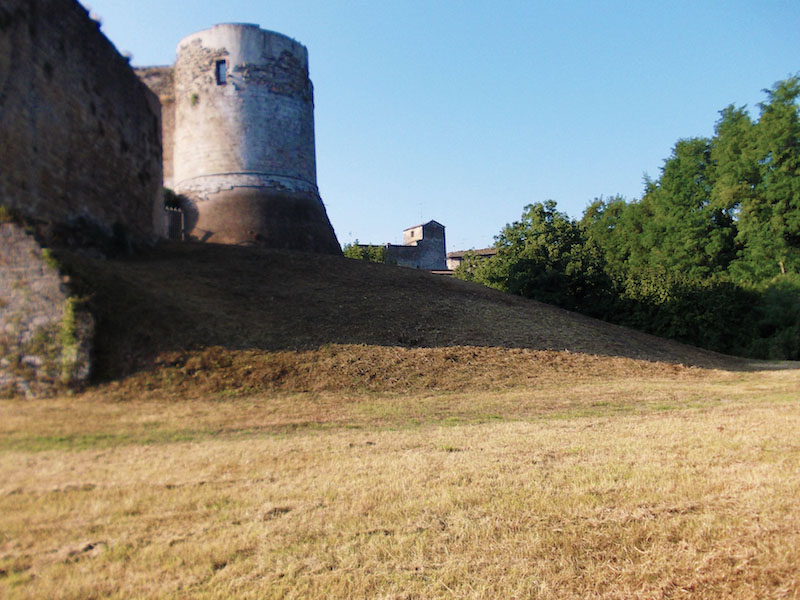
x,y
350,430
251,317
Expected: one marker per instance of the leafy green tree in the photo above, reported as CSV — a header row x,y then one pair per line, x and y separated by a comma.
x,y
734,155
616,227
686,232
710,254
545,256
477,268
759,165
690,309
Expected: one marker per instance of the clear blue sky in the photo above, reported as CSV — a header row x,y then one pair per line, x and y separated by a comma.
x,y
464,112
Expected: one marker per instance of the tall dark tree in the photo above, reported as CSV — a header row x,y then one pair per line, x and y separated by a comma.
x,y
616,227
760,181
735,158
685,231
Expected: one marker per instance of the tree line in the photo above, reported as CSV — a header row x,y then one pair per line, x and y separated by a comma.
x,y
710,254
368,252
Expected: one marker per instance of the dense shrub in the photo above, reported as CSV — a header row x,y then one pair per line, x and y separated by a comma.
x,y
371,253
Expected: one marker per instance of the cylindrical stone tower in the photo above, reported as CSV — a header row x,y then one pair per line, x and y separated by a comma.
x,y
244,140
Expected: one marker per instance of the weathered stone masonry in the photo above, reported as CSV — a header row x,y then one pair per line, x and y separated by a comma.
x,y
80,166
81,139
45,339
243,139
161,82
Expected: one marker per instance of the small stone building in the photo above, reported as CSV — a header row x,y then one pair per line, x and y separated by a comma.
x,y
423,248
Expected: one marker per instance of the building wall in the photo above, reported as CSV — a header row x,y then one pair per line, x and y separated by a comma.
x,y
260,121
45,337
161,81
80,165
80,133
423,248
412,235
423,255
454,259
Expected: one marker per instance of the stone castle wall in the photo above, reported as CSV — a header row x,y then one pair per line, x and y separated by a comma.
x,y
45,335
81,135
238,118
423,248
161,81
425,254
80,166
260,120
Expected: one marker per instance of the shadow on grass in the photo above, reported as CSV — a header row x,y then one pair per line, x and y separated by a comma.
x,y
185,297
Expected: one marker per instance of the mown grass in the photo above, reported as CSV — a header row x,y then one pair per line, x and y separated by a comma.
x,y
647,488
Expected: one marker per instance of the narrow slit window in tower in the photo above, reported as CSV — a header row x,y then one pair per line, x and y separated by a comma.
x,y
221,73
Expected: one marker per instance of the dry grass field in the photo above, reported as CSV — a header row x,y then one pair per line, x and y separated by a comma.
x,y
513,451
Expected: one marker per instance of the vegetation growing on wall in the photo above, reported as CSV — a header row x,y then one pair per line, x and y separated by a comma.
x,y
710,255
172,200
67,336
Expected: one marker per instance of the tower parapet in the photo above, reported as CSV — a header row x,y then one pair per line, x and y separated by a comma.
x,y
244,140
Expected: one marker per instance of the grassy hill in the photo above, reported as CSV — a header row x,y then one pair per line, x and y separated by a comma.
x,y
252,318
349,430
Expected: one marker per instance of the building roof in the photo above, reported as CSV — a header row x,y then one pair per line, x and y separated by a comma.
x,y
481,252
424,224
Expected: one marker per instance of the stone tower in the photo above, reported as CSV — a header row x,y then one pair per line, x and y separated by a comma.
x,y
244,140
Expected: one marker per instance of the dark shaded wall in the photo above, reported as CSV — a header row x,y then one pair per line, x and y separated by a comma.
x,y
161,81
80,166
424,255
81,146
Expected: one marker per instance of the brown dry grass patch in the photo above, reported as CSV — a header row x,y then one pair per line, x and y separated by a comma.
x,y
361,368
